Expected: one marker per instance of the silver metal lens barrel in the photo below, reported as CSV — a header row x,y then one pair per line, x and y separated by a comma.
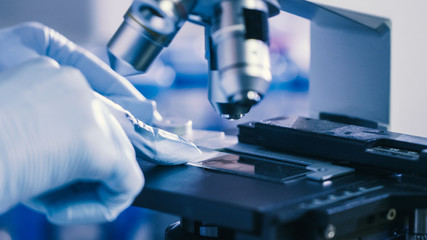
x,y
240,61
148,27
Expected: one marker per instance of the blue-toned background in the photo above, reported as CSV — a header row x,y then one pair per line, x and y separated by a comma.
x,y
177,81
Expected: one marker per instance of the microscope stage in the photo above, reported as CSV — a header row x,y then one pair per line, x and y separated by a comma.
x,y
258,193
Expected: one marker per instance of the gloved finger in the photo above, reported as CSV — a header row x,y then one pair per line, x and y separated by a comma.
x,y
153,144
140,109
31,40
80,203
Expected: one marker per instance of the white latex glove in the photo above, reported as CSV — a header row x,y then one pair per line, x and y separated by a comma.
x,y
61,150
30,40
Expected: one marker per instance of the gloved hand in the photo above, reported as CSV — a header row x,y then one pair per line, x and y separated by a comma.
x,y
31,40
61,150
54,157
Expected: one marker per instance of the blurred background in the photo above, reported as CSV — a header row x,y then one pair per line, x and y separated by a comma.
x,y
177,81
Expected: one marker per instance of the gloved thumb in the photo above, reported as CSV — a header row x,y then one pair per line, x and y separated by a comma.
x,y
153,144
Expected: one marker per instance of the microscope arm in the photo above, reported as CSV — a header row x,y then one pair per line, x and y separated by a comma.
x,y
368,60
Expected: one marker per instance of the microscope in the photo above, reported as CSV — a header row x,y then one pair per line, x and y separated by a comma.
x,y
342,176
366,58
